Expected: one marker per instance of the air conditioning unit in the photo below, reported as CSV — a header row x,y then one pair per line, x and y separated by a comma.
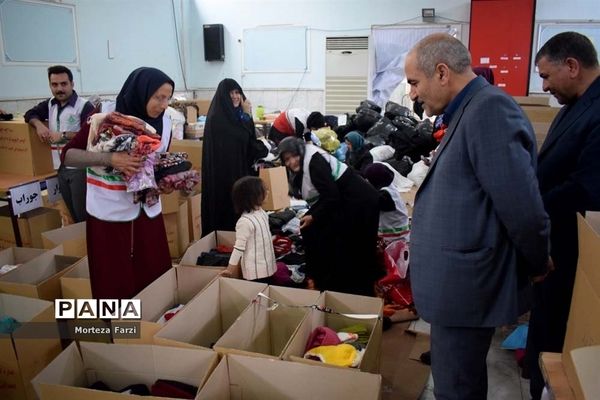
x,y
346,76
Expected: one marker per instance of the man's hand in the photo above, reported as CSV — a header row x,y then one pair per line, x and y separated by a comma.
x,y
43,133
549,268
55,137
126,163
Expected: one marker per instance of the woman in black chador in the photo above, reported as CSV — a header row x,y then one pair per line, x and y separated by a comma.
x,y
229,150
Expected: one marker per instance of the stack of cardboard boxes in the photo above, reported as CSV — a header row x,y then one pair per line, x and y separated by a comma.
x,y
24,158
574,373
540,114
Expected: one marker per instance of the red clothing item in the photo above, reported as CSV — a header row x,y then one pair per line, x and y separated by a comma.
x,y
282,124
125,257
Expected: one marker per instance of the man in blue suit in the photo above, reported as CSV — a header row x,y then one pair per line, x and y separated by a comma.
x,y
569,176
479,227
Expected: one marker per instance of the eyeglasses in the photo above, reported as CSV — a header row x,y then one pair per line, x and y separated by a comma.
x,y
161,99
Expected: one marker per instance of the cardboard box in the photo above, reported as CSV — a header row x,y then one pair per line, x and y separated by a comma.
x,y
540,129
208,316
40,277
191,114
177,228
176,286
21,151
72,237
264,331
541,101
194,217
75,284
583,327
275,181
31,225
200,106
193,148
586,364
170,202
554,375
203,106
18,255
540,114
207,243
194,131
250,378
118,366
341,303
22,358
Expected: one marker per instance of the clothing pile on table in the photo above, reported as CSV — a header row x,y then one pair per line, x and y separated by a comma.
x,y
161,172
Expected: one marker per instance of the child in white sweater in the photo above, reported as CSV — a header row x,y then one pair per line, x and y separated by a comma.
x,y
253,253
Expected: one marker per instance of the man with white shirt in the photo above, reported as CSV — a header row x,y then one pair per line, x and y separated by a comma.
x,y
64,113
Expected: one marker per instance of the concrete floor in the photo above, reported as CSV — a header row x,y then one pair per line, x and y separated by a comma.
x,y
504,375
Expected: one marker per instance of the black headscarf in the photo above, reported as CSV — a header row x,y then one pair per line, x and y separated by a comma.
x,y
222,105
296,147
140,85
228,151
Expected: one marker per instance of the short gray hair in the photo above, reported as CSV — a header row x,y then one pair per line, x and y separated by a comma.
x,y
441,48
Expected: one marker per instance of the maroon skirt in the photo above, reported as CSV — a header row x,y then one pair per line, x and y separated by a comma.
x,y
125,257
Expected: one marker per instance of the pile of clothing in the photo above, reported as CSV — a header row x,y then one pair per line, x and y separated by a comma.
x,y
161,172
344,348
160,388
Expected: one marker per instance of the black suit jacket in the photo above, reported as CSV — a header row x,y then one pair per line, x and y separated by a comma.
x,y
569,179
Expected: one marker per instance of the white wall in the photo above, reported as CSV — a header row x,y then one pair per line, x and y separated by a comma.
x,y
142,32
323,18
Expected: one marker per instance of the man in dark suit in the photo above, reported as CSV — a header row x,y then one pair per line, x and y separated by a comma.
x,y
479,222
569,176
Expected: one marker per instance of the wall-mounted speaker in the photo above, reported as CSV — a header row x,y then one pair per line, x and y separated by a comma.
x,y
214,43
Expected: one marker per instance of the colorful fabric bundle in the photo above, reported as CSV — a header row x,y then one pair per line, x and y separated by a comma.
x,y
118,132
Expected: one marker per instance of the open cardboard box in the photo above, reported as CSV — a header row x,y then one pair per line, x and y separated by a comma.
x,y
18,255
586,364
75,284
31,225
118,366
39,277
252,378
208,315
583,327
72,237
268,324
346,304
22,357
206,244
176,286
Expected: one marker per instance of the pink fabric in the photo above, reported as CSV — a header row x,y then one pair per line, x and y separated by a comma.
x,y
322,336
